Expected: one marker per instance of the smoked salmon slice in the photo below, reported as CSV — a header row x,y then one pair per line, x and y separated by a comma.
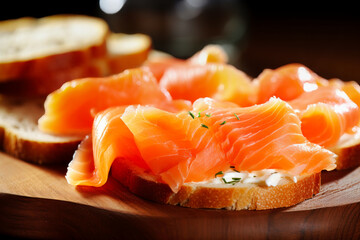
x,y
209,54
327,108
351,88
105,142
195,145
286,82
219,81
71,109
158,67
326,114
205,74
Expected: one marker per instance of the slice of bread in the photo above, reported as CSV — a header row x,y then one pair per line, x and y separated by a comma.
x,y
29,47
219,196
38,55
21,138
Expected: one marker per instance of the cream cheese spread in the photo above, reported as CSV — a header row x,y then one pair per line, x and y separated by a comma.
x,y
266,177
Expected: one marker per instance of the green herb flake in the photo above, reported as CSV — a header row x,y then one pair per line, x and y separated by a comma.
x,y
208,114
191,115
223,123
237,117
233,182
236,178
233,168
219,173
199,114
204,126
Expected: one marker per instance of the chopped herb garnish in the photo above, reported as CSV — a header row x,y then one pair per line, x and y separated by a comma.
x,y
204,126
208,114
223,123
236,116
233,182
219,173
236,178
233,168
199,114
191,115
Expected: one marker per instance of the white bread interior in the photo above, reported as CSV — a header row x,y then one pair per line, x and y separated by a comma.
x,y
21,138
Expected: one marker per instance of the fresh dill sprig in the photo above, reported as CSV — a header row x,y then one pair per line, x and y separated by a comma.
x,y
204,126
223,123
233,168
237,117
233,182
236,178
208,114
219,173
191,115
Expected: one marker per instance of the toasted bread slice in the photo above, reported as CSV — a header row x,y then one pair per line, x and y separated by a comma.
x,y
218,196
38,55
30,46
21,138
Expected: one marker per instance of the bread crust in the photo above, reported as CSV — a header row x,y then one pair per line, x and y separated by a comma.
x,y
48,81
232,197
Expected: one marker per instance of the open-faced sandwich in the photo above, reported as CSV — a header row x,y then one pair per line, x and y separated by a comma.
x,y
197,132
200,133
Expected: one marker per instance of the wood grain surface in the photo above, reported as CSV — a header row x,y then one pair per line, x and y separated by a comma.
x,y
36,202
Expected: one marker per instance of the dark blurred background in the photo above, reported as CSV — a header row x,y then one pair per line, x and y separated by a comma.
x,y
324,36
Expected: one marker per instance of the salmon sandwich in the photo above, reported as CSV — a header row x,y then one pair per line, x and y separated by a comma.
x,y
222,145
199,132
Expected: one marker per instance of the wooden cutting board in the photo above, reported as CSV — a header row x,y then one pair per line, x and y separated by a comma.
x,y
37,202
